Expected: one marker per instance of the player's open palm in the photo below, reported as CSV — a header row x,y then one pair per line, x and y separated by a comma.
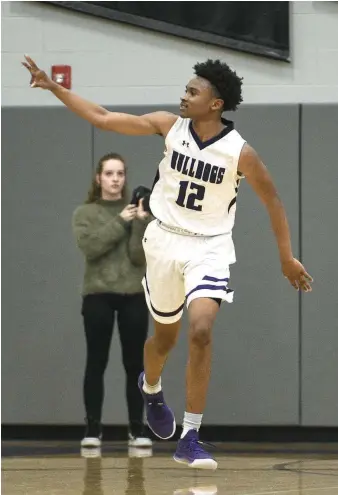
x,y
39,78
298,277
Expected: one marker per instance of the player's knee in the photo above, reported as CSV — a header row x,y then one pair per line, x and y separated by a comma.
x,y
200,333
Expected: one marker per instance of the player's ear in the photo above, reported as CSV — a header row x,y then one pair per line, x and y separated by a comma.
x,y
217,104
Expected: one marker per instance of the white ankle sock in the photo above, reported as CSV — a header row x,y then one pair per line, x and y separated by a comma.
x,y
151,389
191,421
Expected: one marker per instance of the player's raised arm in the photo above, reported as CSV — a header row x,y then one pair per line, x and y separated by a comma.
x,y
137,125
261,182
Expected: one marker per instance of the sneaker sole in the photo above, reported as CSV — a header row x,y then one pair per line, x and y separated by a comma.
x,y
208,464
163,438
91,442
140,443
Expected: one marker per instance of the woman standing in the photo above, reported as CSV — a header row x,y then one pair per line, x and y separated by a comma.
x,y
109,232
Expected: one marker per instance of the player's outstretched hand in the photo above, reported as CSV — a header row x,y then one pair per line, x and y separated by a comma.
x,y
39,78
298,277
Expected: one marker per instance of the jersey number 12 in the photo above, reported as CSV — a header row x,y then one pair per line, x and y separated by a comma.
x,y
198,195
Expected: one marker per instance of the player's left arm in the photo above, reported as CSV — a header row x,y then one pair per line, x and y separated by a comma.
x,y
261,182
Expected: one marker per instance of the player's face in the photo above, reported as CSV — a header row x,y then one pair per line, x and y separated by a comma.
x,y
199,99
112,179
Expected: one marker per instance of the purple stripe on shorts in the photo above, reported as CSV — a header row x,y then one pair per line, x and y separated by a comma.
x,y
214,279
209,287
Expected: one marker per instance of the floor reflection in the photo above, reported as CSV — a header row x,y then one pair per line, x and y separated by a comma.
x,y
60,468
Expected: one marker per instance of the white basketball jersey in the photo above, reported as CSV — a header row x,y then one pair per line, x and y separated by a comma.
x,y
197,182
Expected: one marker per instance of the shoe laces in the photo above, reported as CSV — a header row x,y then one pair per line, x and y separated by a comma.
x,y
197,445
158,408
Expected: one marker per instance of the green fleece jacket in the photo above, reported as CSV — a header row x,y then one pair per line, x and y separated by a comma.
x,y
113,251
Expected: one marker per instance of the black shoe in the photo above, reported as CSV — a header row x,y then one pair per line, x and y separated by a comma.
x,y
93,435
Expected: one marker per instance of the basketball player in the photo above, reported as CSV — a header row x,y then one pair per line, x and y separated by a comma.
x,y
189,246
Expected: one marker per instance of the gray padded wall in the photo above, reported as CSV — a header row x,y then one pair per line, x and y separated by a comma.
x,y
255,368
46,165
46,169
320,248
256,338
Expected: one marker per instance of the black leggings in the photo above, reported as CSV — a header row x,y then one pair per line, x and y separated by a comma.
x,y
98,312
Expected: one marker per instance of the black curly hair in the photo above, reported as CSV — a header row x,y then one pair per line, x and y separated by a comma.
x,y
226,83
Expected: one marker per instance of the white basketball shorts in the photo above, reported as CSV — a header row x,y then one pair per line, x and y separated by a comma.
x,y
181,268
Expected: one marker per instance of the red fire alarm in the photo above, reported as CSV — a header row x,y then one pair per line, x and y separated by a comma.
x,y
62,74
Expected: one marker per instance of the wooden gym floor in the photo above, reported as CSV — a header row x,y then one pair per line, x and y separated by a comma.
x,y
53,468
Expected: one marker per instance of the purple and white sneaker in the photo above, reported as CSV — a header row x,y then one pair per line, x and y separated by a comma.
x,y
160,418
190,451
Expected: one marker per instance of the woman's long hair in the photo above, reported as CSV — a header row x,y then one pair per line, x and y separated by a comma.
x,y
94,192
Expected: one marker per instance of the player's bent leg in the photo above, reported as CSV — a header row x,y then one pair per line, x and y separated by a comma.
x,y
160,417
157,349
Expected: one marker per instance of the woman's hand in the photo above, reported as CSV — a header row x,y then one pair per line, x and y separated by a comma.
x,y
141,214
128,213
